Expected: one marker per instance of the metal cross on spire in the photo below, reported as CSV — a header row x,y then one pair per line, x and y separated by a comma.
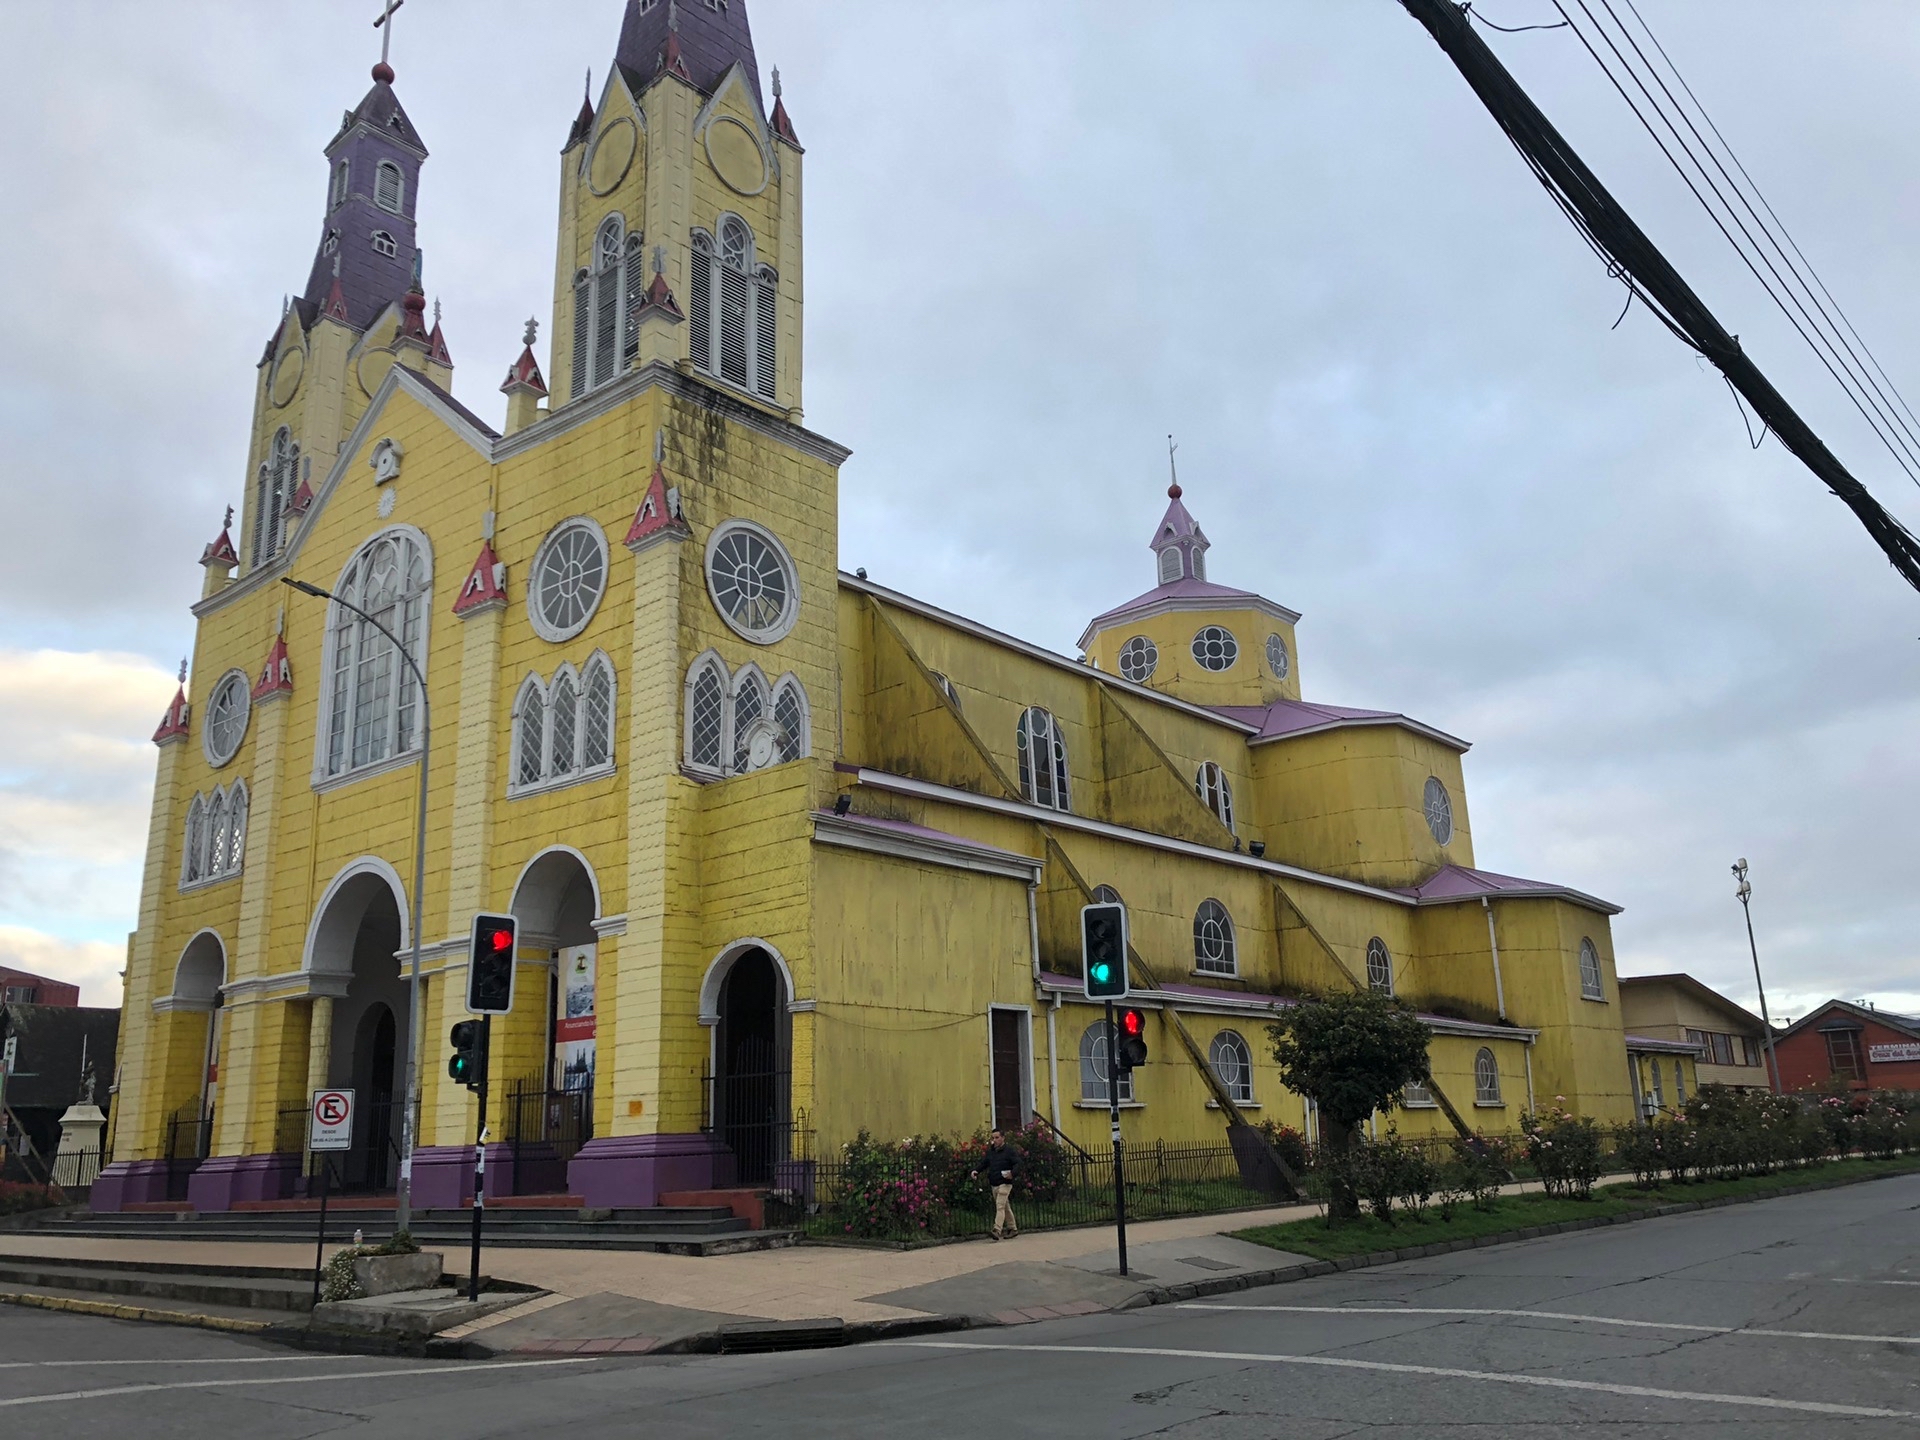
x,y
183,669
1173,470
533,329
228,522
384,26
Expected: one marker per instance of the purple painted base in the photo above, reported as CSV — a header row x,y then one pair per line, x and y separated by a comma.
x,y
128,1182
633,1170
222,1181
443,1175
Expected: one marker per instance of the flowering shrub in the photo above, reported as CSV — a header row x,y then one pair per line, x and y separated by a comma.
x,y
889,1188
17,1198
1565,1149
1289,1144
1481,1165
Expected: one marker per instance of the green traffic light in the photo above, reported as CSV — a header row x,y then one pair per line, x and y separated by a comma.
x,y
1102,971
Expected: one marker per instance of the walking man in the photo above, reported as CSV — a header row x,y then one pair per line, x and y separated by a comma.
x,y
1000,1165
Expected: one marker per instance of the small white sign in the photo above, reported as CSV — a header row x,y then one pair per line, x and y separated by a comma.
x,y
1878,1054
6,1057
330,1120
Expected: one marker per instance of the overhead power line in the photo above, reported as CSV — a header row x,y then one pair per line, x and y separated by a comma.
x,y
1794,291
1629,254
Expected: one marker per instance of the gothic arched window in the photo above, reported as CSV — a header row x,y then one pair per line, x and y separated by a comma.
x,y
1043,759
603,297
563,725
279,475
529,732
193,858
389,187
370,711
790,714
738,343
749,705
1214,792
339,196
563,731
706,703
596,714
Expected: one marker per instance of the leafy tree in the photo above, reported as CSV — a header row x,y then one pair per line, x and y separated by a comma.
x,y
1351,1054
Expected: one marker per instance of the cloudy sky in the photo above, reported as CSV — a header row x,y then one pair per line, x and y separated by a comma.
x,y
1040,237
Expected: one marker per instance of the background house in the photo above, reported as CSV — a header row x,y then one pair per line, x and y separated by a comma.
x,y
1679,1007
1865,1048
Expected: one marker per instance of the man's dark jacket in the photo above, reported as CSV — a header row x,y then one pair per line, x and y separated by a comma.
x,y
1000,1159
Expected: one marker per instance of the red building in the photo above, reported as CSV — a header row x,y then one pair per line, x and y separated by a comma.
x,y
1868,1049
18,987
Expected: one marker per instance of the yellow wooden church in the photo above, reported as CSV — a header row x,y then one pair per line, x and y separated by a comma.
x,y
792,854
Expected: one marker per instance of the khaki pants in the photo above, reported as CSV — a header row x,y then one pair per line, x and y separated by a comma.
x,y
1003,1221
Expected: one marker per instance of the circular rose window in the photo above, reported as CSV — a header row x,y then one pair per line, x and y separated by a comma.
x,y
752,582
569,577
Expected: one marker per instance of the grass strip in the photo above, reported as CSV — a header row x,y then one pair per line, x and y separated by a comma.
x,y
1512,1213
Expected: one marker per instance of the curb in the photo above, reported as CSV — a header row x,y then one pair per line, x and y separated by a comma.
x,y
112,1311
1254,1279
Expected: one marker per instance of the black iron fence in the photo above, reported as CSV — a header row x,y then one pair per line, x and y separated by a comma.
x,y
188,1140
545,1130
750,1113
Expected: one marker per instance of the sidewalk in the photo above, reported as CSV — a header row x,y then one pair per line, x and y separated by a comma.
x,y
600,1298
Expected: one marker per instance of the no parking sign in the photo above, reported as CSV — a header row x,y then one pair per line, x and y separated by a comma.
x,y
330,1120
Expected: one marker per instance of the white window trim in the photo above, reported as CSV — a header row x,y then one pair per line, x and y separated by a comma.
x,y
554,634
1480,1100
1598,995
1252,1101
240,678
391,246
1432,786
749,675
1386,954
580,773
1233,941
1059,761
323,782
1279,671
706,660
789,684
1139,644
399,205
1027,1098
220,802
763,285
1210,783
789,614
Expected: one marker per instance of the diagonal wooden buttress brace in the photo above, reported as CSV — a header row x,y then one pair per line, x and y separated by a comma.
x,y
1358,982
1242,1134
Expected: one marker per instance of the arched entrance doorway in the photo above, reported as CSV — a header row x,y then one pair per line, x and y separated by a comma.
x,y
749,1108
549,1110
358,933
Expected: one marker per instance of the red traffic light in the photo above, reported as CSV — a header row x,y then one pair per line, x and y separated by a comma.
x,y
1133,1022
500,939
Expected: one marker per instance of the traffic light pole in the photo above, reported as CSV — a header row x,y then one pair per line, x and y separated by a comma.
x,y
1119,1155
480,1158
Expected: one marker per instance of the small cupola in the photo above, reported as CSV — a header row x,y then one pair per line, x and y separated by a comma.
x,y
1179,545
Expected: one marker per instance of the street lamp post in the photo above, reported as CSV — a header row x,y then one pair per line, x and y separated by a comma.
x,y
403,1190
1744,891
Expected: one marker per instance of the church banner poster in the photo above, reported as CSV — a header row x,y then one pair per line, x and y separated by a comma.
x,y
574,1032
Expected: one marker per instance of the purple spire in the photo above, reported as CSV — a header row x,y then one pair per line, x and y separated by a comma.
x,y
1179,543
373,185
704,38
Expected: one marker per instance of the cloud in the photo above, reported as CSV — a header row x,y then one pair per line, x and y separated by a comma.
x,y
93,965
76,783
1285,232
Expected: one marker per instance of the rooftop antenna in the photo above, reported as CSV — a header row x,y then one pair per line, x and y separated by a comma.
x,y
1173,490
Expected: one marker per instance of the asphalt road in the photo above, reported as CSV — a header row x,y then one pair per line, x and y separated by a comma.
x,y
1781,1319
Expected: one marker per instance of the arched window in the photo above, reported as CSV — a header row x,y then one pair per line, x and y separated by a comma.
x,y
749,704
529,732
1590,971
1043,760
790,714
219,834
384,244
1214,791
738,344
279,476
331,243
707,715
605,341
563,725
596,714
1486,1078
193,856
371,710
1107,895
389,187
1379,966
1096,1048
1659,1095
339,196
1169,565
1232,1061
1213,945
946,687
236,827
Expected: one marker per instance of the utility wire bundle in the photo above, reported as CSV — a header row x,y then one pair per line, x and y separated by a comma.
x,y
1627,251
